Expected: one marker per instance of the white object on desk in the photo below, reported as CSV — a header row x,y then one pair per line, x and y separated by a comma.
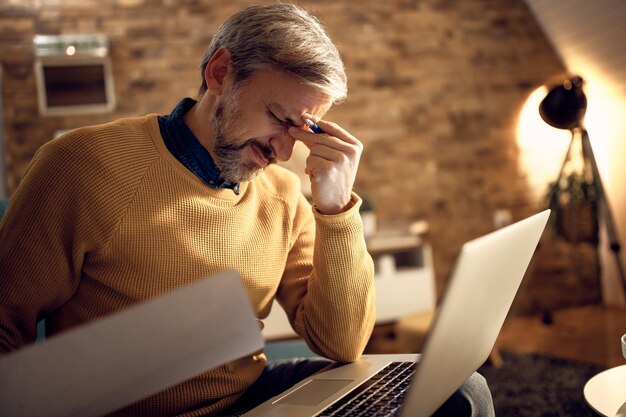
x,y
386,266
606,392
406,291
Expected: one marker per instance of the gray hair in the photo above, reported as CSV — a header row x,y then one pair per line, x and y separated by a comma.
x,y
284,37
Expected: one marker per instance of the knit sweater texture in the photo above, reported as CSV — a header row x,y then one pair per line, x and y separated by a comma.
x,y
106,217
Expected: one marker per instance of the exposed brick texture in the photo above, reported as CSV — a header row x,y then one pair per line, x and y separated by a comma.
x,y
435,90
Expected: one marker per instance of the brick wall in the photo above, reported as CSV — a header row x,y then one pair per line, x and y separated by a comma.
x,y
435,90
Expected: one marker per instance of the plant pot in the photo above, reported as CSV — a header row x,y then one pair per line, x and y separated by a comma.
x,y
577,221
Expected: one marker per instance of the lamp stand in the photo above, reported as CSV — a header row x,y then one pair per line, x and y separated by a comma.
x,y
604,214
604,210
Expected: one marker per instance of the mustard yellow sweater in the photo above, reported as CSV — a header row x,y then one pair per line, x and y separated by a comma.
x,y
106,217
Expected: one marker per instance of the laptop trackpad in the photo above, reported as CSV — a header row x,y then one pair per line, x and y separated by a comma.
x,y
314,392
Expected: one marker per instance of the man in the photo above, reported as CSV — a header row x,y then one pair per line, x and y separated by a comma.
x,y
110,215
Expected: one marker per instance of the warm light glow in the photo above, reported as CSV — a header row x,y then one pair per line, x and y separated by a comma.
x,y
70,50
542,147
603,119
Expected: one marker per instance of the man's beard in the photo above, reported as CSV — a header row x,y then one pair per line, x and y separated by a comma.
x,y
228,149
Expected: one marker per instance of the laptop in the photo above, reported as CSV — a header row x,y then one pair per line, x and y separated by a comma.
x,y
476,301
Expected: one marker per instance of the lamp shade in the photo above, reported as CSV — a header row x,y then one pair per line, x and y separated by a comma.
x,y
565,105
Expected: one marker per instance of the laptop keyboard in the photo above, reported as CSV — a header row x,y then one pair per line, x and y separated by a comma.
x,y
381,395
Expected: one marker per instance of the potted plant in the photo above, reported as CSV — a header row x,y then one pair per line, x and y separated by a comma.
x,y
574,205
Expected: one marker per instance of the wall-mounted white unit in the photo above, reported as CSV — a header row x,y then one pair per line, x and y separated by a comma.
x,y
73,74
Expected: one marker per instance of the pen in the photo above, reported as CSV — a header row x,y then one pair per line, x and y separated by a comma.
x,y
313,126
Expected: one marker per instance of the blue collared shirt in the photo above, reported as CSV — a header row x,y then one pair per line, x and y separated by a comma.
x,y
185,147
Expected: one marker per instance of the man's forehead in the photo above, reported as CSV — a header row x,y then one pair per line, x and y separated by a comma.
x,y
289,94
293,114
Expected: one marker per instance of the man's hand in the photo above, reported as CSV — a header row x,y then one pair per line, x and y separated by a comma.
x,y
331,165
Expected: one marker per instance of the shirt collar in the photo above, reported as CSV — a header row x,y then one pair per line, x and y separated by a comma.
x,y
185,147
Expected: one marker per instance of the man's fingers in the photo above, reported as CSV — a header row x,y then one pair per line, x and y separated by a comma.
x,y
331,165
333,129
327,153
311,139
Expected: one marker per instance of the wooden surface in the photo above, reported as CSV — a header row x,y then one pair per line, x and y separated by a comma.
x,y
588,334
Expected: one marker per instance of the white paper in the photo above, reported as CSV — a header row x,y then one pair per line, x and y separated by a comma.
x,y
98,368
